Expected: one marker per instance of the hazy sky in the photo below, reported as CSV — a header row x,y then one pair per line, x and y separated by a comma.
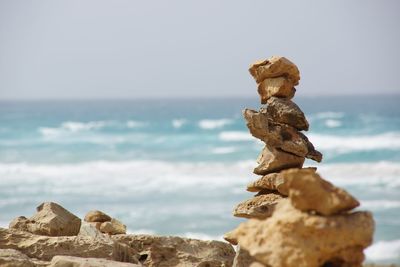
x,y
129,49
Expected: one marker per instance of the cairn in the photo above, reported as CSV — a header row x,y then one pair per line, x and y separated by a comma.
x,y
296,218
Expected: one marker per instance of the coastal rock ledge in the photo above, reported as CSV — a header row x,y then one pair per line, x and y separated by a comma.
x,y
50,238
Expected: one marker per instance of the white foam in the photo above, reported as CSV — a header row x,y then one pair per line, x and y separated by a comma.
x,y
178,123
135,124
223,150
379,204
342,144
384,250
232,136
214,124
202,236
331,123
328,115
71,127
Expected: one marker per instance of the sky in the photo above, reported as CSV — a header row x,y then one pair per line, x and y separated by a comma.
x,y
98,49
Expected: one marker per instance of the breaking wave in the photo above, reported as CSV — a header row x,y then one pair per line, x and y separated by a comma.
x,y
214,124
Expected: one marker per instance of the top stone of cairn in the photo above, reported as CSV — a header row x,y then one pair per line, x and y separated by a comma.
x,y
275,76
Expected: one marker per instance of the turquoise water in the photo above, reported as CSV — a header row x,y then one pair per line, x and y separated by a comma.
x,y
180,166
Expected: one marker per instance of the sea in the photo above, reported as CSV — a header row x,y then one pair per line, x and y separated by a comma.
x,y
179,166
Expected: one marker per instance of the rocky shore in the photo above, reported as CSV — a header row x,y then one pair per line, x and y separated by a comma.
x,y
296,218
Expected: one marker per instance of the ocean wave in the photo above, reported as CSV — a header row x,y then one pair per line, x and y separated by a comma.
x,y
327,115
214,124
384,250
135,124
235,136
71,127
379,204
331,123
178,123
223,150
343,144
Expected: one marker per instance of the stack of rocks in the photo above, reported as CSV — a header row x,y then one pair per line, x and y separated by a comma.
x,y
297,218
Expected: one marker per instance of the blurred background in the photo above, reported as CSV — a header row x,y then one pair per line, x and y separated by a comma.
x,y
134,108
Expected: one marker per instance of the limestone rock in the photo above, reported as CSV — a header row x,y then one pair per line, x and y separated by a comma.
x,y
278,135
51,219
273,67
46,247
273,160
97,216
70,261
228,237
259,207
15,258
279,87
295,238
113,227
166,251
243,259
309,192
287,112
272,181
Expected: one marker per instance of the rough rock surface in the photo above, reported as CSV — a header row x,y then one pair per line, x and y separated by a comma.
x,y
46,247
278,135
97,216
51,219
273,160
279,87
295,238
113,227
243,259
15,258
309,192
260,207
166,251
272,181
274,67
70,261
285,111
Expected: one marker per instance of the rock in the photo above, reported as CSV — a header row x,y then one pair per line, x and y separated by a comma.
x,y
15,258
279,87
113,227
166,251
273,67
97,216
291,237
309,192
259,207
228,237
46,247
93,230
51,219
243,259
287,112
272,181
273,160
278,135
70,261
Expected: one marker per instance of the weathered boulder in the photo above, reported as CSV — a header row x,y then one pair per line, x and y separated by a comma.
x,y
51,219
287,112
272,181
291,237
243,259
15,258
166,251
260,207
97,216
273,160
309,192
113,227
279,135
46,247
279,87
70,261
273,67
229,237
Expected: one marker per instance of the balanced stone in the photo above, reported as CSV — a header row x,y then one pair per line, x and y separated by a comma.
x,y
309,192
260,207
273,67
287,112
273,160
279,87
291,237
97,216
